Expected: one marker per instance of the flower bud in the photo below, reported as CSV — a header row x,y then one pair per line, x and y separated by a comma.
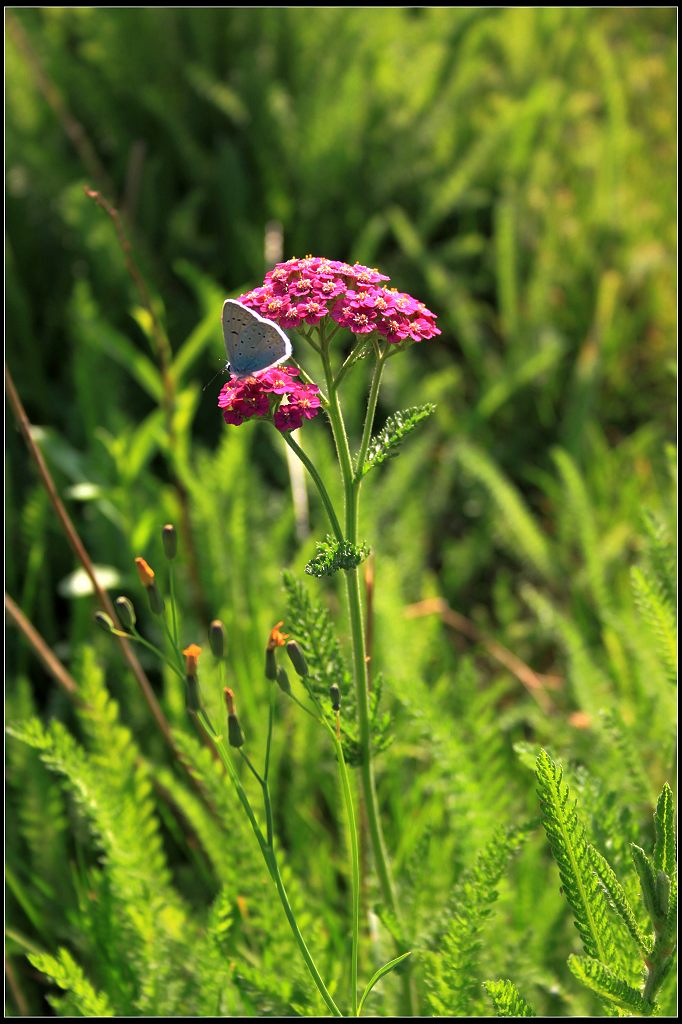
x,y
104,622
270,664
297,660
170,541
235,735
192,694
216,638
126,612
145,572
155,599
335,695
191,654
283,681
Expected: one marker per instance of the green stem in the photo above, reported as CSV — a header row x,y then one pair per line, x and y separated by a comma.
x,y
134,635
305,953
172,642
351,492
171,581
319,483
268,855
350,360
271,719
355,858
369,418
351,484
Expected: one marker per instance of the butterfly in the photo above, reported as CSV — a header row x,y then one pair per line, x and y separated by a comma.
x,y
252,342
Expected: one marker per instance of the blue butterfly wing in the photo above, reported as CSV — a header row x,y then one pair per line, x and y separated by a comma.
x,y
252,343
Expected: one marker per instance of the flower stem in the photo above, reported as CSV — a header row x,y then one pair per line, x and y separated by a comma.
x,y
369,418
174,612
355,863
267,849
319,483
138,638
351,491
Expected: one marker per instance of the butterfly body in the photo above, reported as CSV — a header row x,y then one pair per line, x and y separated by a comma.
x,y
252,343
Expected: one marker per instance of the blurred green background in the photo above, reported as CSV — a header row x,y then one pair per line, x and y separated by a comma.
x,y
513,168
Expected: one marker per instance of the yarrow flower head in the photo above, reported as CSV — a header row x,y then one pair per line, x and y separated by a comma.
x,y
300,294
305,291
273,390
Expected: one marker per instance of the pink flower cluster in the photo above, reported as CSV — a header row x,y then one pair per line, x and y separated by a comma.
x,y
304,291
246,397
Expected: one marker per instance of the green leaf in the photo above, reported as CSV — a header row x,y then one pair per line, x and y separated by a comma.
x,y
659,616
647,879
333,555
570,849
617,898
396,428
664,820
379,974
507,999
66,973
608,985
453,971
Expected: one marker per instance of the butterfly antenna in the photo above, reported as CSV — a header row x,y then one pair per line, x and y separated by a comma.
x,y
216,374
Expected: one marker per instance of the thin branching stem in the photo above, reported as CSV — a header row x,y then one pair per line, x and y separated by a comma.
x,y
319,483
267,849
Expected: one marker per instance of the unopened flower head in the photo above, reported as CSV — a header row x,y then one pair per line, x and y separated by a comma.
x,y
105,622
216,638
145,572
126,612
235,736
191,654
170,541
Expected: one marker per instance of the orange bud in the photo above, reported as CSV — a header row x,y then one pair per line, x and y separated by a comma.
x,y
145,572
229,700
277,639
191,659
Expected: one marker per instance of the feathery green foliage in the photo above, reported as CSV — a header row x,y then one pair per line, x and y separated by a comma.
x,y
334,555
659,615
453,973
608,986
665,858
507,999
570,848
65,972
523,545
386,444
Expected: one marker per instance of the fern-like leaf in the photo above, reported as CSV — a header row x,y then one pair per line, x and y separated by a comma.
x,y
333,555
570,849
386,444
311,624
66,973
617,897
507,999
665,858
659,616
608,985
453,974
